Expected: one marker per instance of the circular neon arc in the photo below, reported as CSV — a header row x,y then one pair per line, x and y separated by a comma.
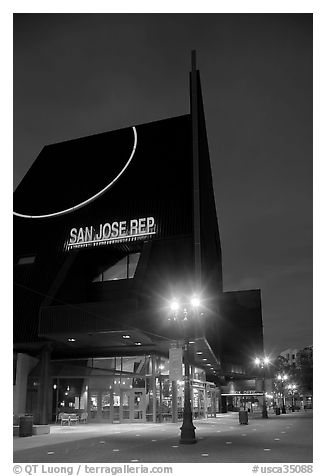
x,y
91,199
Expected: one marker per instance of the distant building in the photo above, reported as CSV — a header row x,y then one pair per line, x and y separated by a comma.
x,y
291,355
295,356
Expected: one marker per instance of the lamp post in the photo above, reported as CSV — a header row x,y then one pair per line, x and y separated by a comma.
x,y
187,429
291,388
282,378
263,363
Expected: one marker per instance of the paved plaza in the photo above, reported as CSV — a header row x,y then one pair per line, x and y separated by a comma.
x,y
283,438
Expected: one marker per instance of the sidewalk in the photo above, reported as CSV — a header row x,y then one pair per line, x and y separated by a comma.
x,y
283,438
61,434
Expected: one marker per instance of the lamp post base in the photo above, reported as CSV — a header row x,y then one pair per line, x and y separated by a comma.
x,y
187,433
264,413
283,410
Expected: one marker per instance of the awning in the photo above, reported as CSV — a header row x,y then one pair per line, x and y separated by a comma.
x,y
256,394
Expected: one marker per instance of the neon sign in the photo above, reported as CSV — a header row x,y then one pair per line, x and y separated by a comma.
x,y
110,233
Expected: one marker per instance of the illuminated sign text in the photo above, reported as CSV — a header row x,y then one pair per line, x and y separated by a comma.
x,y
108,233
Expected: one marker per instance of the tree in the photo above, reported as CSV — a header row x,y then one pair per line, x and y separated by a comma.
x,y
305,368
299,374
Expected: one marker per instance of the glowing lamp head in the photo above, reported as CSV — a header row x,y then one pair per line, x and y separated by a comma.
x,y
195,301
266,360
279,377
257,361
285,377
174,306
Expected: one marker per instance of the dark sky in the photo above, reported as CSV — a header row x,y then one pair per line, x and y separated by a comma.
x,y
80,74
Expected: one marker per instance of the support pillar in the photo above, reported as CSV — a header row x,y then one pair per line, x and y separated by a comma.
x,y
160,398
43,403
153,379
205,401
111,416
214,403
88,404
174,402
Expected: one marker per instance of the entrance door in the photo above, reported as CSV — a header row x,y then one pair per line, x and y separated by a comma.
x,y
211,402
94,413
129,406
101,406
201,402
198,403
138,405
125,406
106,407
132,405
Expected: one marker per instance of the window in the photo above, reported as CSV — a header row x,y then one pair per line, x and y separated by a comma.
x,y
26,260
117,271
132,265
123,269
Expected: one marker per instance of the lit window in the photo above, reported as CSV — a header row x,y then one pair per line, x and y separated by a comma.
x,y
117,271
26,260
123,269
132,265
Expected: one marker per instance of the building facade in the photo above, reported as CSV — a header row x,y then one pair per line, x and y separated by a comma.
x,y
291,355
108,231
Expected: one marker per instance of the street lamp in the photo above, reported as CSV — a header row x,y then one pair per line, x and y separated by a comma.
x,y
187,429
263,363
282,378
292,388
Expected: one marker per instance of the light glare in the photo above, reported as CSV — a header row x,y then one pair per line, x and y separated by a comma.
x,y
174,305
195,301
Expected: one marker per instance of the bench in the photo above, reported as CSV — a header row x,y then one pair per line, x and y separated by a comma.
x,y
68,418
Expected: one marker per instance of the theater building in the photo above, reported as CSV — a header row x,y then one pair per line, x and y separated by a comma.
x,y
109,230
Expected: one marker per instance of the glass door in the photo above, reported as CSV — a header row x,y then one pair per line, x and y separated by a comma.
x,y
110,407
138,407
106,406
101,406
198,403
125,401
93,407
116,409
201,403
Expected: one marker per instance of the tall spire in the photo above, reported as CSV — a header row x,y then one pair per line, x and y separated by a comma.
x,y
195,163
193,60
